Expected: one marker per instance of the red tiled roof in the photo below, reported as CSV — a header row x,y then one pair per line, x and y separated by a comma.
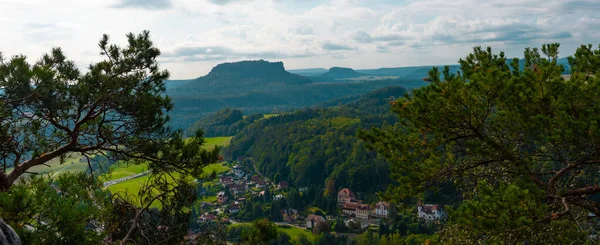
x,y
346,192
315,218
428,208
385,204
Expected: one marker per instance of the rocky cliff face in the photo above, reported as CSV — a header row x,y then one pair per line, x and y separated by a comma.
x,y
7,235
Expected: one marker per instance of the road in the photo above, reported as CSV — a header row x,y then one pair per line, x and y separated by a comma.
x,y
116,181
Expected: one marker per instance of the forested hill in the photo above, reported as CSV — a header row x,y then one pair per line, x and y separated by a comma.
x,y
308,146
260,87
341,72
226,122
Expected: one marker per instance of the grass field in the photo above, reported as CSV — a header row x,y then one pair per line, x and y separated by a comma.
x,y
124,171
295,232
266,116
209,199
71,163
291,231
133,186
216,141
312,210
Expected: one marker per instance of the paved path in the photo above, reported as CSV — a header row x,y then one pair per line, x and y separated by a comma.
x,y
116,181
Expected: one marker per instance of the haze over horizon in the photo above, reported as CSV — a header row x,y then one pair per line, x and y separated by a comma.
x,y
194,36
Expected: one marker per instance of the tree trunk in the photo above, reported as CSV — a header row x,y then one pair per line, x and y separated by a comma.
x,y
5,183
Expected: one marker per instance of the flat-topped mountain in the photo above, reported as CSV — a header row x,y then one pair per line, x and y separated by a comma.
x,y
244,76
260,86
341,72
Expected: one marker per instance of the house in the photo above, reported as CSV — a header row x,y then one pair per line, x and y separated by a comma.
x,y
237,170
363,212
240,159
282,184
255,178
382,209
261,184
207,217
277,197
349,208
345,195
234,208
236,189
312,220
289,215
221,197
357,209
302,189
226,180
430,211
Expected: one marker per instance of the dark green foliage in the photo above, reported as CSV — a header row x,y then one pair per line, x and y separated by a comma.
x,y
339,226
306,147
276,212
218,124
226,122
115,110
519,144
64,210
257,211
370,238
261,233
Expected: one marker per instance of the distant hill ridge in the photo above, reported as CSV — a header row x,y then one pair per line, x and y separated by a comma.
x,y
341,72
260,86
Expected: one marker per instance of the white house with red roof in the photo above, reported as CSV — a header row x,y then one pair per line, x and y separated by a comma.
x,y
430,211
382,209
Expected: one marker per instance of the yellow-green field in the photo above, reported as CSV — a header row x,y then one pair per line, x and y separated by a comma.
x,y
118,172
124,171
210,143
265,116
291,231
217,167
71,163
295,232
132,186
209,199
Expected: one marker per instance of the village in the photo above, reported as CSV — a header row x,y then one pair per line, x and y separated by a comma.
x,y
236,187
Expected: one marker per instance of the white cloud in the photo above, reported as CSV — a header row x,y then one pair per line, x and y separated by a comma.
x,y
195,35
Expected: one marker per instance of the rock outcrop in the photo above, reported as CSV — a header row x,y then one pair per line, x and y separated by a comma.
x,y
7,235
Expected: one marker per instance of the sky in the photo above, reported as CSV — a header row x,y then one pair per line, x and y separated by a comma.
x,y
196,35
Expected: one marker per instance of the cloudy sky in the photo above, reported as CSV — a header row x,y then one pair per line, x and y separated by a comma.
x,y
195,35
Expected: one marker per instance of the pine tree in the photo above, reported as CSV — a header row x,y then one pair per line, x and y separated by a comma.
x,y
517,139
